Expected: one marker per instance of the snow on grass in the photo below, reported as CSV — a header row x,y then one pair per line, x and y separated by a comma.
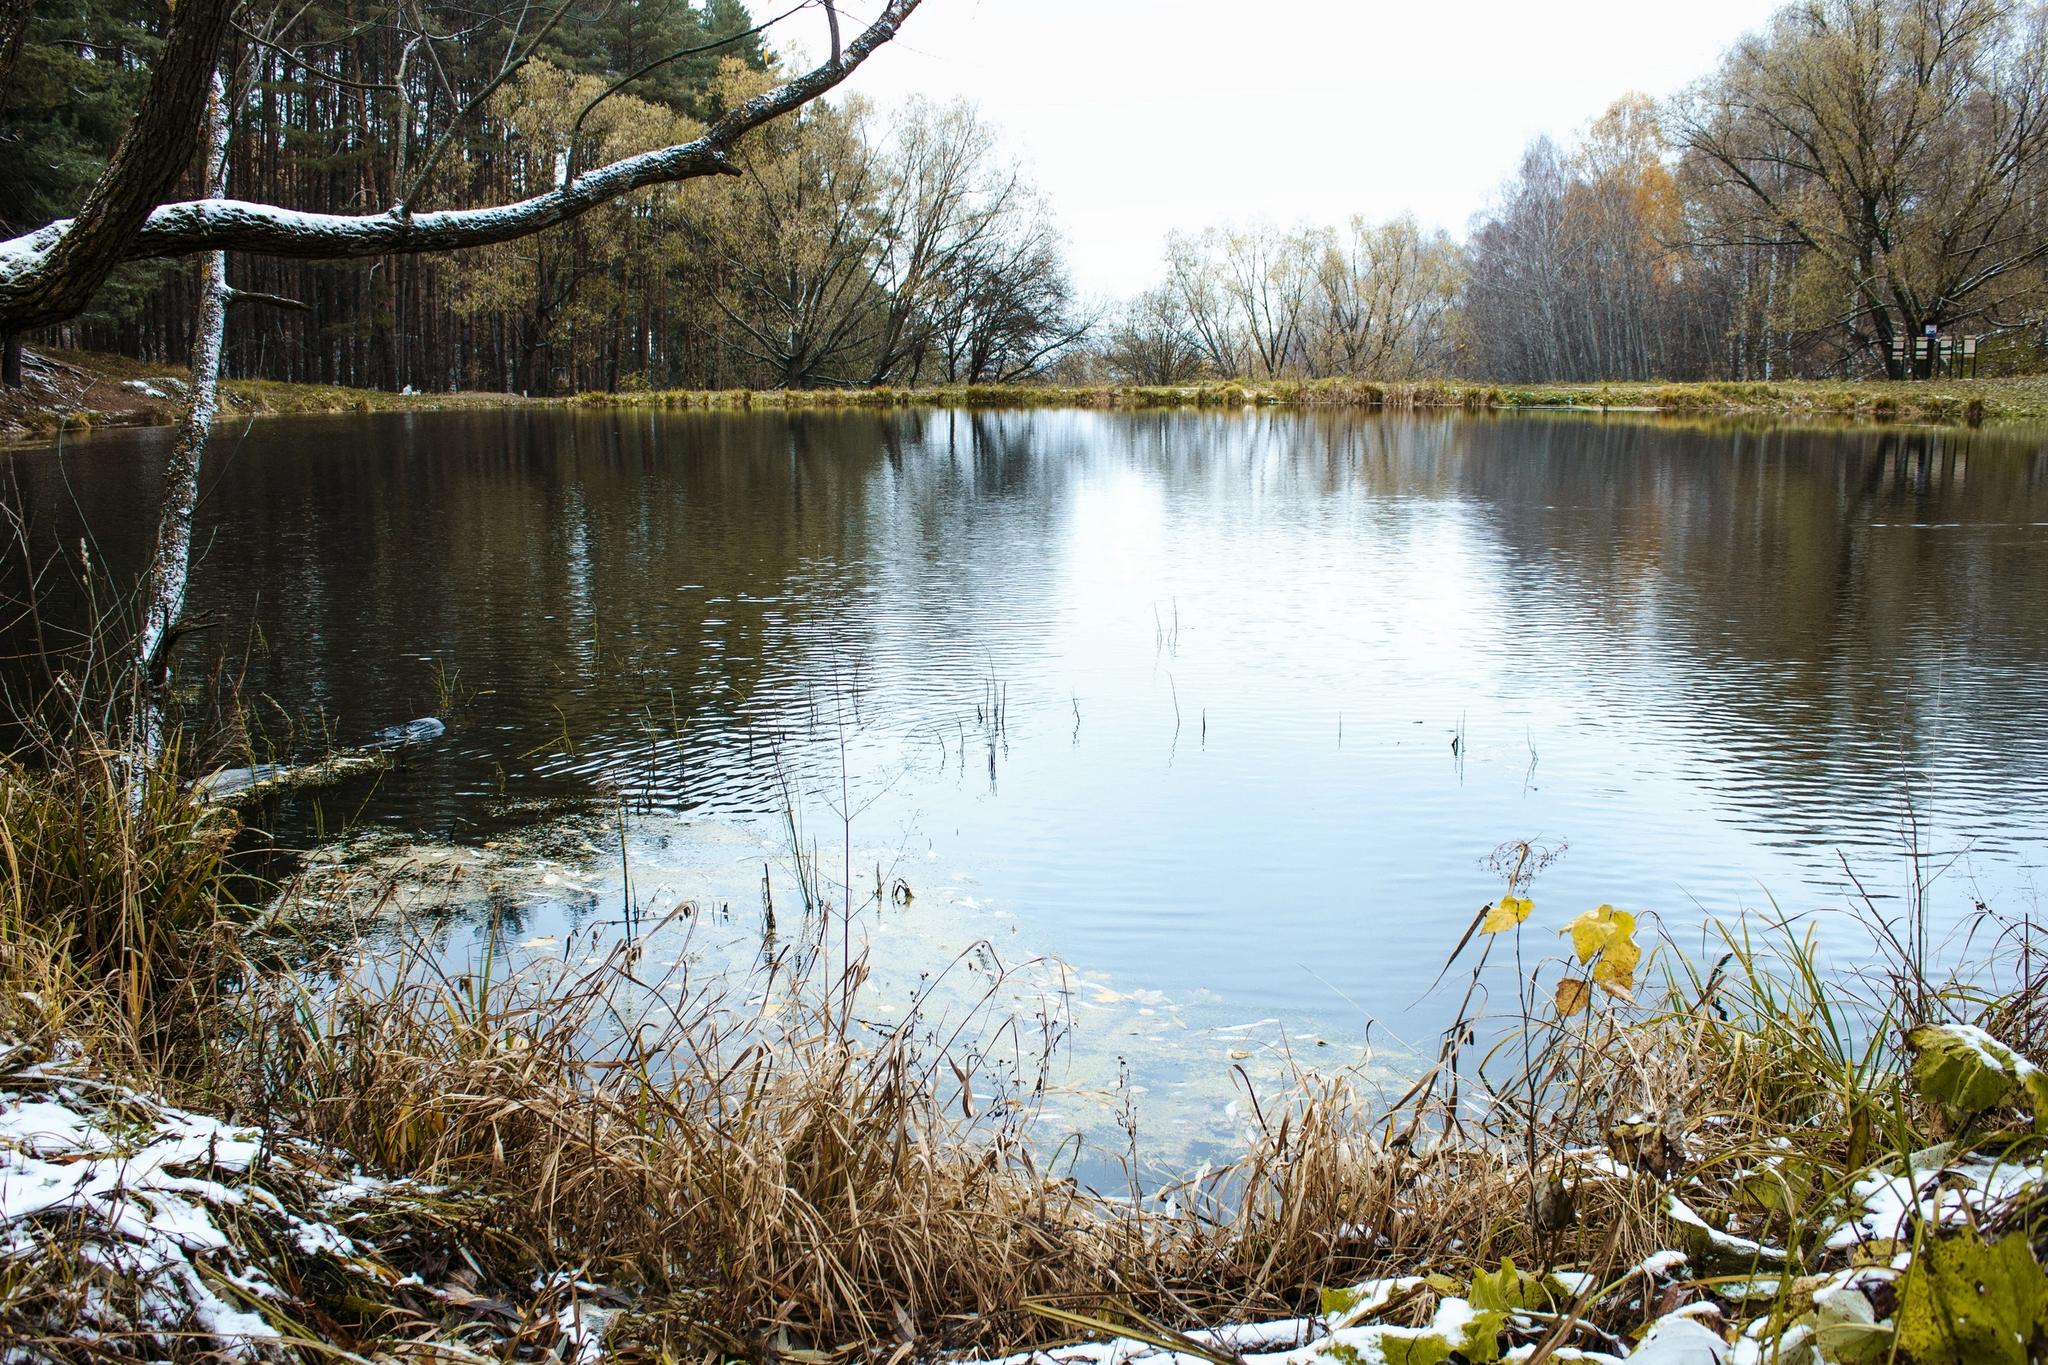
x,y
139,1182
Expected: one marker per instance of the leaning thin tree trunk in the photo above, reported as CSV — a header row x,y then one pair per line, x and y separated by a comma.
x,y
14,20
165,587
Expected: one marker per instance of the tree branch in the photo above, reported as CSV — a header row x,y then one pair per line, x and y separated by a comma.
x,y
461,115
49,276
239,296
41,281
620,84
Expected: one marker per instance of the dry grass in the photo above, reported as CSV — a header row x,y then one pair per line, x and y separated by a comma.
x,y
765,1169
117,873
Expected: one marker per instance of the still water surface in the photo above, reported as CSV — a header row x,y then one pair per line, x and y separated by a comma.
x,y
1221,710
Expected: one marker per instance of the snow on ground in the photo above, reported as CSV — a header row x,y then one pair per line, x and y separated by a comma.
x,y
144,1180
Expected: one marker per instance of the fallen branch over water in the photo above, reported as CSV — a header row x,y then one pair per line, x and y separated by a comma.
x,y
237,786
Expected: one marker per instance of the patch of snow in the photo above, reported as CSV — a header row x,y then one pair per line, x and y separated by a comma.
x,y
1679,1340
113,1167
1662,1263
1995,1055
1681,1213
1944,1194
46,1128
316,1238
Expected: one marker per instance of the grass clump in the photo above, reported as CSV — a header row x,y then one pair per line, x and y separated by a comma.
x,y
116,873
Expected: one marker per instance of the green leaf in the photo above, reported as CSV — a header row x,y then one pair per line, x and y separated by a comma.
x,y
1341,1301
1962,1302
1968,1070
1431,1348
1783,1188
1499,1291
1847,1332
1482,1338
1511,1289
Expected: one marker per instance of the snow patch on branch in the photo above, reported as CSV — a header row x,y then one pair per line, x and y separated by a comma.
x,y
235,224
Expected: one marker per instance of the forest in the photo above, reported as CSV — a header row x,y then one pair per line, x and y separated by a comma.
x,y
1853,175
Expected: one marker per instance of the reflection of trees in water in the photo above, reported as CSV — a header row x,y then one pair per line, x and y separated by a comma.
x,y
661,601
1833,613
661,604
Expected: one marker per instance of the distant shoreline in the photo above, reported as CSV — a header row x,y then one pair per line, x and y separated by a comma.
x,y
80,391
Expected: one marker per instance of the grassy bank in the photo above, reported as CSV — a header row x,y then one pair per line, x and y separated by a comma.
x,y
82,391
77,390
362,1149
1969,402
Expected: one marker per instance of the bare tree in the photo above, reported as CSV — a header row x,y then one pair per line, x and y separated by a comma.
x,y
947,211
1196,279
1386,297
793,247
1267,276
1898,143
1583,270
1150,341
1010,310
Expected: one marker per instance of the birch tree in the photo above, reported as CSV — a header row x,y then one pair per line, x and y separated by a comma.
x,y
1149,341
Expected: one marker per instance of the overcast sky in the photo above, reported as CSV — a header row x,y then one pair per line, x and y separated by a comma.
x,y
1137,117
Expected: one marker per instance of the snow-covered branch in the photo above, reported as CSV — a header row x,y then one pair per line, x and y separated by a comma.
x,y
262,229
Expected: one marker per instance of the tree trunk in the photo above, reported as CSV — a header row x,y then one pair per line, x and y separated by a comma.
x,y
165,589
10,360
69,260
14,19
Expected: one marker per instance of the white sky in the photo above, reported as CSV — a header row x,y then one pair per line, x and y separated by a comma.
x,y
1139,116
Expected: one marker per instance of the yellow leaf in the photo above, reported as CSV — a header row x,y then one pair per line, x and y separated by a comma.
x,y
1573,995
1510,912
1616,973
1598,928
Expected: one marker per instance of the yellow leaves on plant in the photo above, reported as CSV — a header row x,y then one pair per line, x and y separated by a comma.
x,y
1511,911
1599,927
1608,934
1573,995
1616,970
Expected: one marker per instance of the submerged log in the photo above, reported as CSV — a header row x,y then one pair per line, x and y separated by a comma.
x,y
234,786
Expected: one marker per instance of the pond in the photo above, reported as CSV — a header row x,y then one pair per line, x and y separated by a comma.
x,y
1222,711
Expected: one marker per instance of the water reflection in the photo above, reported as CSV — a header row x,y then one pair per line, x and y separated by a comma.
x,y
1171,696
